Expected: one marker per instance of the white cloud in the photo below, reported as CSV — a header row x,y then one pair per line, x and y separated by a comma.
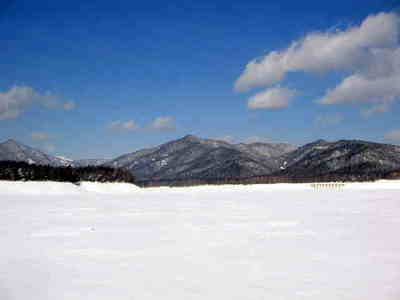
x,y
40,136
324,51
273,98
359,88
370,52
377,109
393,136
164,123
129,125
14,101
328,119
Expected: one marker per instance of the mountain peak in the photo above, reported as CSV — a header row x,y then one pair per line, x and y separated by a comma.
x,y
190,137
320,141
316,143
14,151
10,142
12,145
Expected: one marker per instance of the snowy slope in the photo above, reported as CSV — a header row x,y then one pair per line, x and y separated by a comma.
x,y
194,157
88,162
13,150
280,242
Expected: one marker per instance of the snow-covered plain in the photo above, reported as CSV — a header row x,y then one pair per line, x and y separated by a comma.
x,y
275,242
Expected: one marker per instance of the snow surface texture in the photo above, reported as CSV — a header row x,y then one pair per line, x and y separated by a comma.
x,y
278,242
64,188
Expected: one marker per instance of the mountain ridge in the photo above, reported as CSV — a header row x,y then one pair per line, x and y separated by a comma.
x,y
322,157
12,150
193,158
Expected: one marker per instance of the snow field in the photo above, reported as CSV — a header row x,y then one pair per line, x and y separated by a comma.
x,y
224,242
64,188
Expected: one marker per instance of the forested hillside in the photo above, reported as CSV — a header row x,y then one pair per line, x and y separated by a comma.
x,y
12,170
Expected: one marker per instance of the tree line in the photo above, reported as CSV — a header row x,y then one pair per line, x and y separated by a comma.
x,y
359,173
12,170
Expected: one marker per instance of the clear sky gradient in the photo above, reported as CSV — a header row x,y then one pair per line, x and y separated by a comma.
x,y
89,79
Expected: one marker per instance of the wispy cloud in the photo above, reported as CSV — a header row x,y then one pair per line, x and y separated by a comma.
x,y
129,125
377,109
163,123
14,101
271,99
369,51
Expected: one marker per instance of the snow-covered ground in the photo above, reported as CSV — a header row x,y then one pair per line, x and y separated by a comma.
x,y
276,242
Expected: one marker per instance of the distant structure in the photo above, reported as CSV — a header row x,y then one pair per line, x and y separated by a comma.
x,y
327,185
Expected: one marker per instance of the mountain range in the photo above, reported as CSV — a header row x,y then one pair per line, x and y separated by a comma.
x,y
12,150
197,158
193,157
323,157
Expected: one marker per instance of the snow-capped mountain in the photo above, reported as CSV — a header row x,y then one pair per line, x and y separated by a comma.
x,y
193,157
13,150
67,161
323,157
207,159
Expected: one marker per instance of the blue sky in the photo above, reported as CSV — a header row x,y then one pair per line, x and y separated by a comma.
x,y
89,79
